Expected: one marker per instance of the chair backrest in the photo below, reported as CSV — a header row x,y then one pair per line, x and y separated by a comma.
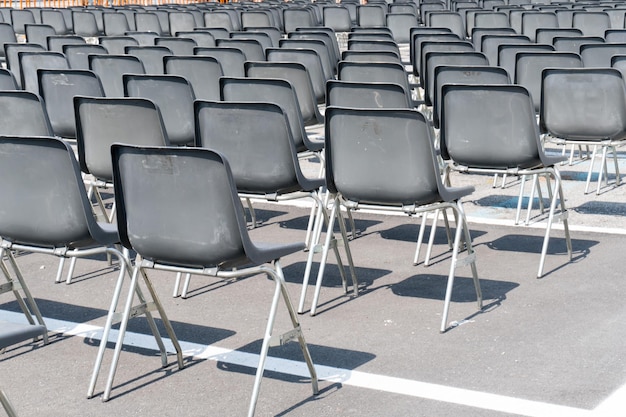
x,y
77,55
231,59
615,35
547,35
440,46
508,51
573,43
329,65
181,21
30,62
22,113
7,80
84,23
55,19
591,23
277,91
178,45
219,19
190,196
372,72
583,103
299,78
143,38
453,20
337,18
321,36
20,18
115,24
366,95
531,21
115,44
255,138
489,127
619,62
464,75
200,37
307,57
256,18
478,33
251,48
491,43
202,72
434,59
402,171
58,87
56,43
37,169
416,46
149,22
530,65
111,68
298,17
11,51
370,56
371,15
173,95
150,56
38,33
400,25
7,35
101,122
487,19
600,54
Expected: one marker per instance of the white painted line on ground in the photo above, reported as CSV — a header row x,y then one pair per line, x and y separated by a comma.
x,y
613,406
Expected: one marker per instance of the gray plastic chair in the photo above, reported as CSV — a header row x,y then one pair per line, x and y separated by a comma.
x,y
371,15
12,50
493,129
586,106
115,24
491,44
507,54
547,35
55,19
420,37
371,56
23,114
202,72
591,23
78,55
38,33
453,20
400,25
149,22
478,33
111,68
298,17
149,223
181,21
65,226
307,57
402,176
434,58
20,18
84,24
218,19
299,77
58,87
599,55
201,38
56,43
143,38
373,95
100,122
30,62
174,97
533,20
7,80
231,59
178,45
150,56
115,44
337,18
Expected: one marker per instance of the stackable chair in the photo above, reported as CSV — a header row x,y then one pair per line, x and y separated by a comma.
x,y
366,95
7,80
189,195
111,68
115,44
12,50
150,56
231,59
30,62
307,57
402,176
78,55
202,72
45,167
177,45
493,129
585,106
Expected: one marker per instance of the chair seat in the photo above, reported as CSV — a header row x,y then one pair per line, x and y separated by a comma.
x,y
13,333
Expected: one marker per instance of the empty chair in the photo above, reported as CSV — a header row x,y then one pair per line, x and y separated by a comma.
x,y
277,91
547,35
298,17
273,34
371,56
206,204
256,18
591,23
459,74
150,56
356,44
476,135
406,178
55,19
111,68
7,80
478,33
173,95
440,46
20,18
251,48
202,72
400,25
201,38
329,40
115,45
354,94
434,59
487,19
84,24
64,226
599,55
507,54
181,21
416,45
143,38
616,17
115,24
491,43
573,43
298,76
452,20
23,114
531,21
218,19
7,35
38,33
337,18
586,106
371,15
615,35
231,59
389,72
149,22
78,55
12,50
177,45
58,87
57,43
263,38
329,64
530,65
31,61
307,57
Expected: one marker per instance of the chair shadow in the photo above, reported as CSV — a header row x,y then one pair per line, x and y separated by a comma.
x,y
602,208
301,223
409,232
263,216
533,244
